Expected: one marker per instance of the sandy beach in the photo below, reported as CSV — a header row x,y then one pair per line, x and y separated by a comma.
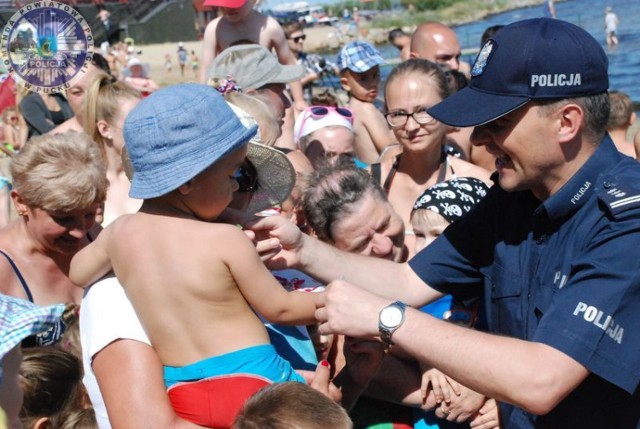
x,y
154,55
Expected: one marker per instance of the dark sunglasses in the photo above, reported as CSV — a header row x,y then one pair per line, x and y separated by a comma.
x,y
247,177
299,38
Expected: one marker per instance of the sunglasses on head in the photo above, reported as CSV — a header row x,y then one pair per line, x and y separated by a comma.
x,y
318,112
247,177
299,38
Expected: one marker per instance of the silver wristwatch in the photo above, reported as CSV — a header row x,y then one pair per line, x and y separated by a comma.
x,y
390,318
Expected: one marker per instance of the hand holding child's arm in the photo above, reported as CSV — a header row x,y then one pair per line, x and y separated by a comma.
x,y
260,288
90,263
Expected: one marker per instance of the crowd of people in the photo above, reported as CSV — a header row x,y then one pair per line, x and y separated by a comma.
x,y
250,252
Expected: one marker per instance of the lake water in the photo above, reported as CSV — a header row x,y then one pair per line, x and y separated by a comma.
x,y
624,60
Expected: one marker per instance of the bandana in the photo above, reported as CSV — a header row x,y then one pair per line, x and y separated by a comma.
x,y
452,199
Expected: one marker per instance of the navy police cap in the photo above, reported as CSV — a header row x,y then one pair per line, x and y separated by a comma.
x,y
528,60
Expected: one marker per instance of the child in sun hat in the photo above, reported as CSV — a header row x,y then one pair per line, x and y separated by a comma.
x,y
193,283
359,64
19,319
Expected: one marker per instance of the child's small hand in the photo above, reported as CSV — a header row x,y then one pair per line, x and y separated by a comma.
x,y
443,387
487,417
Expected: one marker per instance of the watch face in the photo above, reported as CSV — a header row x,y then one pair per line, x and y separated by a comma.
x,y
391,317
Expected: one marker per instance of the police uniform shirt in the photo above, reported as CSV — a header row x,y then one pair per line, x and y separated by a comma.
x,y
565,273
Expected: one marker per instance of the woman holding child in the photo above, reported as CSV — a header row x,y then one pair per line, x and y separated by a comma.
x,y
411,88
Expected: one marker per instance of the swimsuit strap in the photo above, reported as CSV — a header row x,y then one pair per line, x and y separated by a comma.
x,y
443,170
376,172
444,163
19,275
394,168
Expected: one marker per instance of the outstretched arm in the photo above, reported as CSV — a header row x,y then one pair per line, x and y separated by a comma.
x,y
91,263
530,375
326,263
260,288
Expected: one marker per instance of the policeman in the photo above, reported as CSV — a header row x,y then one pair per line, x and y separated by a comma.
x,y
552,246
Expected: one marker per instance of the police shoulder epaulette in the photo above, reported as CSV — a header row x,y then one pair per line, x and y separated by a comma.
x,y
617,195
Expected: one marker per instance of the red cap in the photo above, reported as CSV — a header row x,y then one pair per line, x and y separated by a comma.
x,y
231,4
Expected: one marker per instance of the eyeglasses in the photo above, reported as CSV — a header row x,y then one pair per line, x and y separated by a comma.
x,y
297,39
247,177
318,112
399,119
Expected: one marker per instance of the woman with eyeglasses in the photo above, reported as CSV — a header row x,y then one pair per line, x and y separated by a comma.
x,y
412,88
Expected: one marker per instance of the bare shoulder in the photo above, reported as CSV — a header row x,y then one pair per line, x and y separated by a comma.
x,y
271,24
370,113
464,168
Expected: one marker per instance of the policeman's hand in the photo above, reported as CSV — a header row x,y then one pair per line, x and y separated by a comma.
x,y
349,310
279,237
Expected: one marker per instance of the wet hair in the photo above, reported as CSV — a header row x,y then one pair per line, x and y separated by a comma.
x,y
291,28
489,32
60,172
426,68
51,380
331,192
101,62
456,80
395,33
103,101
324,98
621,110
291,405
596,110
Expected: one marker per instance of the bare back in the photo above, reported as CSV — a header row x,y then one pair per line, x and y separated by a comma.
x,y
255,28
189,282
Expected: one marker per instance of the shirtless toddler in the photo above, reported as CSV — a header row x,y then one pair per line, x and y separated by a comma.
x,y
194,284
239,24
